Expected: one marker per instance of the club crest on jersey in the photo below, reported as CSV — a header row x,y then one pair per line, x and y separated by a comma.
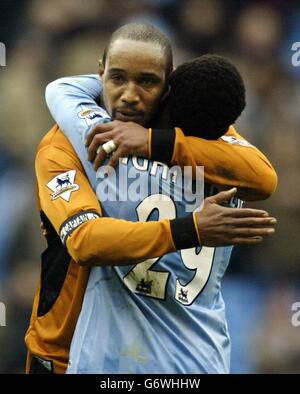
x,y
235,141
92,115
183,296
63,185
144,286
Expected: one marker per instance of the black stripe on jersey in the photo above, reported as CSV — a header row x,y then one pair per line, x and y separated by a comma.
x,y
55,264
162,145
73,222
184,233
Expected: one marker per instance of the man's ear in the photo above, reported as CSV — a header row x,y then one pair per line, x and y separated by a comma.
x,y
100,68
166,93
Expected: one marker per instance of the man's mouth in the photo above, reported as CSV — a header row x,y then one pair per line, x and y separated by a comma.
x,y
128,116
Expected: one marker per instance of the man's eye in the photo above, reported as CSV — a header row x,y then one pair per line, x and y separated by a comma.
x,y
148,81
117,78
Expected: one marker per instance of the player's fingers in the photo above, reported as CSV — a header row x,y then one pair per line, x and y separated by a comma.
x,y
254,221
246,240
221,197
252,232
244,212
117,155
114,160
99,129
97,141
99,159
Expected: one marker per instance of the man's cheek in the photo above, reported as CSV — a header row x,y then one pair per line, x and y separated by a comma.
x,y
108,106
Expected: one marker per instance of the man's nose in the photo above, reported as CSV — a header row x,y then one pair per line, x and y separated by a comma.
x,y
130,94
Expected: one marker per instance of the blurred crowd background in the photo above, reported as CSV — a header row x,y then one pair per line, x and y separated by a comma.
x,y
49,39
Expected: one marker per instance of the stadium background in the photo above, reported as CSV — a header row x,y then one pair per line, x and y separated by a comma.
x,y
48,39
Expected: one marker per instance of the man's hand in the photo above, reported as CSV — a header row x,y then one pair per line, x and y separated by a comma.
x,y
220,226
129,137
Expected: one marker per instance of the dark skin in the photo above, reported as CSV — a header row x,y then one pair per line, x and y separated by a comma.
x,y
227,226
134,80
130,139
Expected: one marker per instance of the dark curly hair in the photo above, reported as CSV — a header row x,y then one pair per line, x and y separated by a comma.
x,y
207,96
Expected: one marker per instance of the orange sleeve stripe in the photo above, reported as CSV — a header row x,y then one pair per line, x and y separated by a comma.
x,y
149,142
196,227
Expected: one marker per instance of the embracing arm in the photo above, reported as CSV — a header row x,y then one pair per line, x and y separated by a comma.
x,y
229,161
72,102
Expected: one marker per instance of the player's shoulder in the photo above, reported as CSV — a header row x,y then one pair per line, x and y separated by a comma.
x,y
54,139
55,146
234,138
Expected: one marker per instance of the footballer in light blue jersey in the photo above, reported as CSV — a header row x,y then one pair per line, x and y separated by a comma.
x,y
164,315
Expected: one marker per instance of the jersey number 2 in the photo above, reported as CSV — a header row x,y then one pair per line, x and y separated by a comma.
x,y
145,281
